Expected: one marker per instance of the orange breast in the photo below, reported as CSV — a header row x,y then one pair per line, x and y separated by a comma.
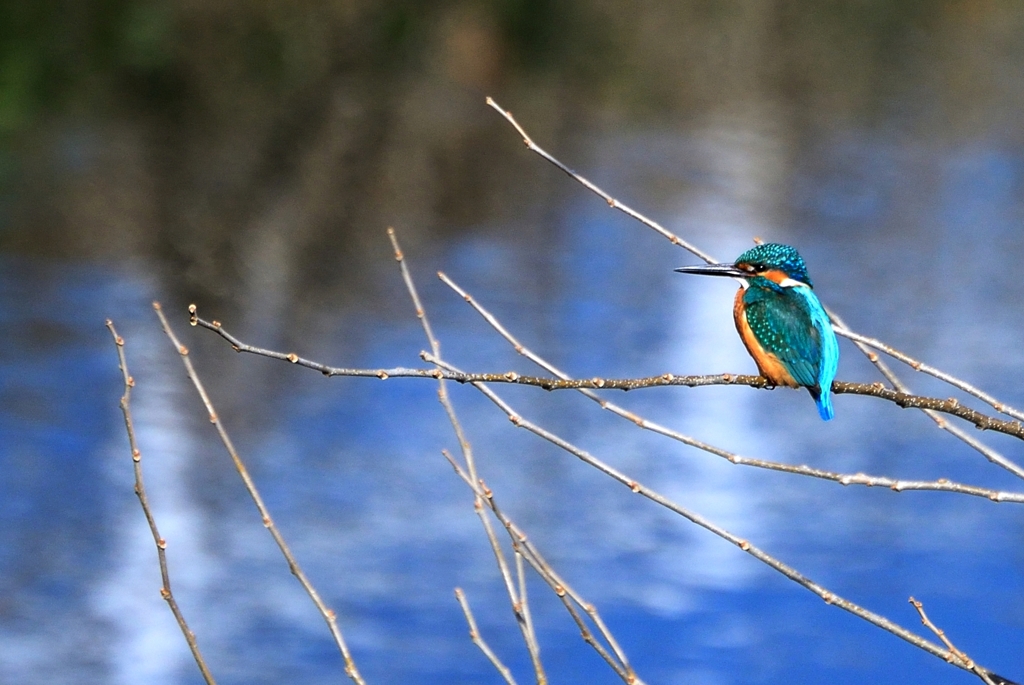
x,y
768,365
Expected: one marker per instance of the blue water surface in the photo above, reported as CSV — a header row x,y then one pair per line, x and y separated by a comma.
x,y
352,469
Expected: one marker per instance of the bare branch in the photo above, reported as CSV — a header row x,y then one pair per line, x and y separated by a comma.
x,y
612,202
904,400
478,640
140,491
917,365
989,453
328,614
435,347
517,600
524,603
762,556
754,381
239,346
523,547
941,634
586,386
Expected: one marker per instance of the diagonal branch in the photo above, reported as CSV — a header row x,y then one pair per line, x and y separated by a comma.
x,y
612,202
570,598
918,365
140,491
478,640
517,599
988,677
762,556
989,453
861,342
328,614
522,548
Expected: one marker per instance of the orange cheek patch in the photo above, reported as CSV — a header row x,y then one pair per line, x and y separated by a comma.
x,y
775,276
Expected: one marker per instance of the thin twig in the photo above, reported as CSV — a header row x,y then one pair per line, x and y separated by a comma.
x,y
569,597
478,640
140,491
612,202
762,556
435,347
517,601
516,591
328,614
520,545
989,453
917,365
941,634
524,603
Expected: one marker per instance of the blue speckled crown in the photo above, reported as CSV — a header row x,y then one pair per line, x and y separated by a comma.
x,y
777,256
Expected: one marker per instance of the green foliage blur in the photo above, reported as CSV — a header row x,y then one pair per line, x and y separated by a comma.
x,y
58,56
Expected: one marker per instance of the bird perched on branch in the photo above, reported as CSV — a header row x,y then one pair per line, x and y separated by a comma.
x,y
780,320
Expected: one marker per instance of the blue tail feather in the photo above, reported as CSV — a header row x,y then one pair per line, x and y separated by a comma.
x,y
824,402
828,363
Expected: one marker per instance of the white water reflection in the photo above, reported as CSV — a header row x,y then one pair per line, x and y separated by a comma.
x,y
150,646
743,164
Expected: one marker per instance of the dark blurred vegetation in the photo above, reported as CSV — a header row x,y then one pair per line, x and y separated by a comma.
x,y
275,139
200,132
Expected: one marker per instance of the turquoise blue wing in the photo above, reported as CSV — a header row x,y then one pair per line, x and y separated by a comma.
x,y
793,326
783,325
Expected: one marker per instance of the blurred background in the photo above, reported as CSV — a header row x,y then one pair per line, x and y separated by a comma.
x,y
247,157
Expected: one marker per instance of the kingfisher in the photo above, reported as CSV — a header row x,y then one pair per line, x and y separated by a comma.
x,y
780,320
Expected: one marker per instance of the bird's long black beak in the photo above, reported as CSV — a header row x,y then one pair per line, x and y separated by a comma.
x,y
714,270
